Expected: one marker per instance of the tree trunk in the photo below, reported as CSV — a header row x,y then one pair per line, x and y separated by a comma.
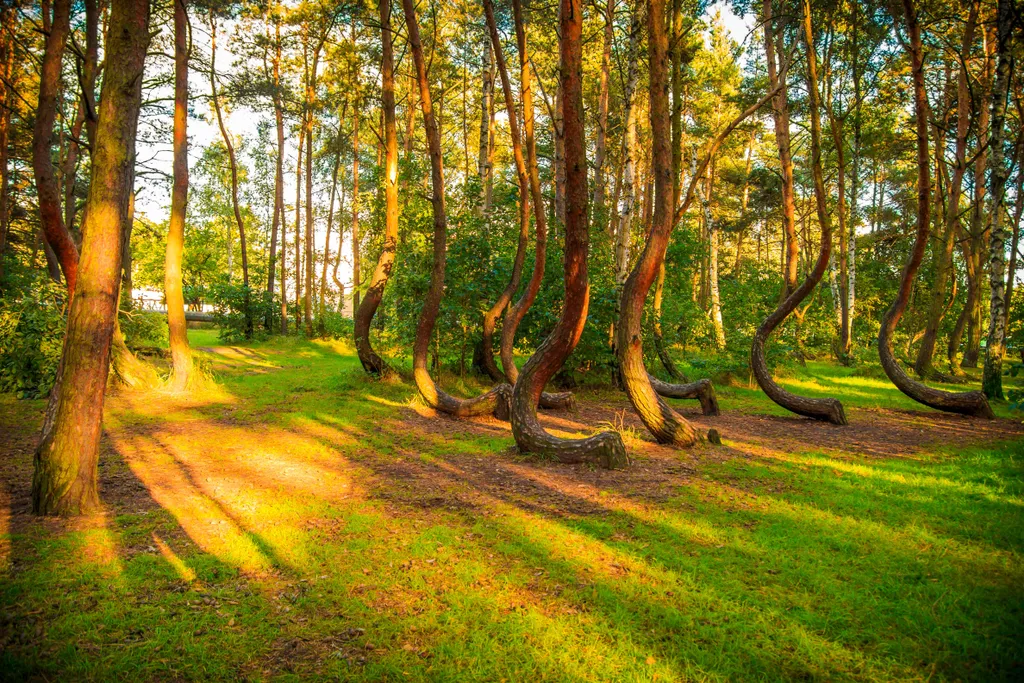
x,y
602,110
943,249
995,349
716,299
66,474
968,403
821,409
47,188
371,361
181,354
607,447
491,315
278,222
483,165
234,176
298,227
517,311
661,420
496,400
327,238
356,266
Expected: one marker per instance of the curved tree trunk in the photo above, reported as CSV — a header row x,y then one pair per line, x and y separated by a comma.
x,y
522,176
967,403
702,390
496,400
665,424
371,361
181,354
826,408
234,176
518,310
607,447
66,474
47,189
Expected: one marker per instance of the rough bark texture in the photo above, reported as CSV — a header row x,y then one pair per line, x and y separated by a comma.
x,y
971,402
496,400
371,361
943,248
821,409
605,448
702,390
233,162
65,478
47,188
665,424
518,310
181,354
522,176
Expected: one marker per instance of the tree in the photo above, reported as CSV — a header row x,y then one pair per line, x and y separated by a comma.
x,y
181,355
496,400
369,358
66,474
232,160
992,380
55,231
519,309
607,447
967,403
824,408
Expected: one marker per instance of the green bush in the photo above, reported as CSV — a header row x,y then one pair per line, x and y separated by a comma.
x,y
31,339
230,303
144,329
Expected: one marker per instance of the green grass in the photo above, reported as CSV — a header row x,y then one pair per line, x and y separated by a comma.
x,y
303,521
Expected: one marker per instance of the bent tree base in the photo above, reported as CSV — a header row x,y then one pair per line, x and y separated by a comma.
x,y
702,390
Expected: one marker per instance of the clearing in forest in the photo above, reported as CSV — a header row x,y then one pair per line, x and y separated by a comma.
x,y
302,520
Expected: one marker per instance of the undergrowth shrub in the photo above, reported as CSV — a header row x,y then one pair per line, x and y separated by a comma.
x,y
31,339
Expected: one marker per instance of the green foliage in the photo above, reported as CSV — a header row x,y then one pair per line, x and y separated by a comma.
x,y
235,305
144,328
31,339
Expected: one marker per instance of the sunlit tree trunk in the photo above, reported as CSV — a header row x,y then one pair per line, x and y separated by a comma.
x,y
828,409
371,361
297,265
496,400
522,176
278,221
602,110
607,447
356,265
713,239
519,309
47,188
181,354
65,477
992,378
968,403
234,175
943,248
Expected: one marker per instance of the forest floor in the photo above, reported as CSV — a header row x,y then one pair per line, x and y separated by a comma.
x,y
301,520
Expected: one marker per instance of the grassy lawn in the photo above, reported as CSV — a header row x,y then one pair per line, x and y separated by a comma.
x,y
302,521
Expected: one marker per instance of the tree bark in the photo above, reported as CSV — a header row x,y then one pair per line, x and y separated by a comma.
x,y
181,354
661,420
356,266
518,310
713,290
821,409
943,251
995,349
234,175
605,448
483,165
968,403
66,474
522,176
298,227
278,222
602,109
496,400
6,93
47,189
371,361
